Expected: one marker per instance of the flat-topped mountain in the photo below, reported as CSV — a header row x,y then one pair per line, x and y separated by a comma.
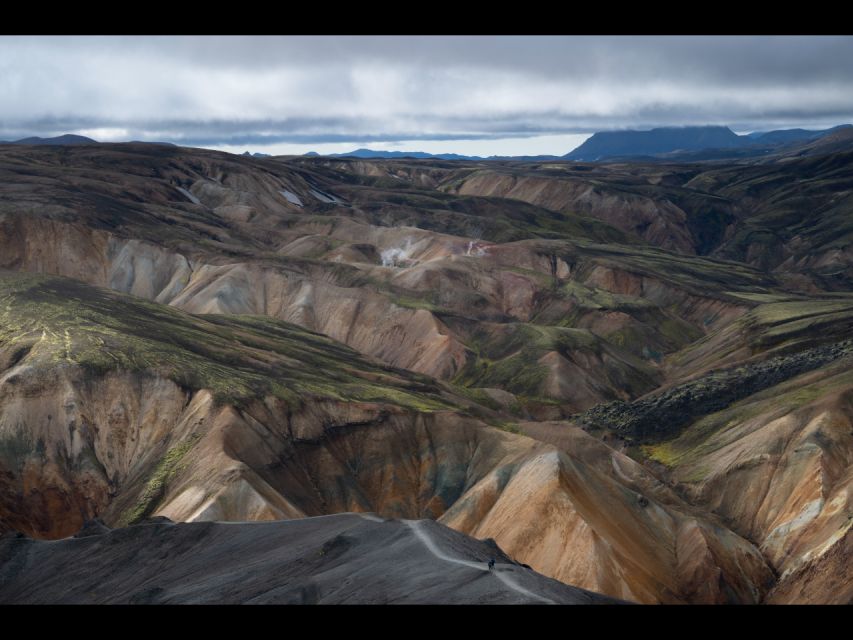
x,y
606,144
696,144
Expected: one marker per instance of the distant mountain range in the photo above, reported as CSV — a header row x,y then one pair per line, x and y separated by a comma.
x,y
666,143
422,155
68,139
691,143
682,144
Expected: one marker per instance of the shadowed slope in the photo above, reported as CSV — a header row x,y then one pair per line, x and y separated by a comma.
x,y
341,559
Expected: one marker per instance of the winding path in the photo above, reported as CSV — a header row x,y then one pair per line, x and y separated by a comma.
x,y
500,574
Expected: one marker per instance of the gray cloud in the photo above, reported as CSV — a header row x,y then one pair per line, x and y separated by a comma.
x,y
206,91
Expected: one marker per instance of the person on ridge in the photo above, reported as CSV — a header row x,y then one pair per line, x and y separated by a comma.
x,y
491,563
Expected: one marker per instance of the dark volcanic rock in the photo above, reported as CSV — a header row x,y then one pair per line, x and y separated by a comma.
x,y
345,558
664,414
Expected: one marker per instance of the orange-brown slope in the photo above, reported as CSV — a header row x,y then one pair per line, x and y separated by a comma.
x,y
826,580
778,468
589,515
621,200
123,409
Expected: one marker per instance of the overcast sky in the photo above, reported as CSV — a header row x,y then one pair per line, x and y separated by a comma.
x,y
476,95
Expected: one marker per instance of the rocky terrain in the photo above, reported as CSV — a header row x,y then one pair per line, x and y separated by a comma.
x,y
633,377
340,559
668,412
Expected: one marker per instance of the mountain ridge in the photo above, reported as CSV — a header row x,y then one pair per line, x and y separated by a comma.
x,y
346,558
67,139
689,143
423,155
682,143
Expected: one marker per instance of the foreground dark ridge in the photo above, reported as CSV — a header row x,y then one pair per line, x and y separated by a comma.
x,y
345,558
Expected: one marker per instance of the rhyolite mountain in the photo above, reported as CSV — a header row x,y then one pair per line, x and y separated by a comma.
x,y
633,377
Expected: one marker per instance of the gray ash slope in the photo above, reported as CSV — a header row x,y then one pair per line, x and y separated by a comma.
x,y
344,558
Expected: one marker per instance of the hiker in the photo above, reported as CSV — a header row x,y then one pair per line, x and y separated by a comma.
x,y
491,563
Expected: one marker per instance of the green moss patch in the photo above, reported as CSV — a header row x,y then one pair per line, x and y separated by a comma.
x,y
167,469
237,358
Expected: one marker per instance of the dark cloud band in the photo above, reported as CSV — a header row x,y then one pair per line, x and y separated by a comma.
x,y
205,91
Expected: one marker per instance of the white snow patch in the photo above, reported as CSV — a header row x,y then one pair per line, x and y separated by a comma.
x,y
191,197
291,197
817,552
328,198
808,513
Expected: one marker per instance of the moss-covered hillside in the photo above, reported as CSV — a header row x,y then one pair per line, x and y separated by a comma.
x,y
46,321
